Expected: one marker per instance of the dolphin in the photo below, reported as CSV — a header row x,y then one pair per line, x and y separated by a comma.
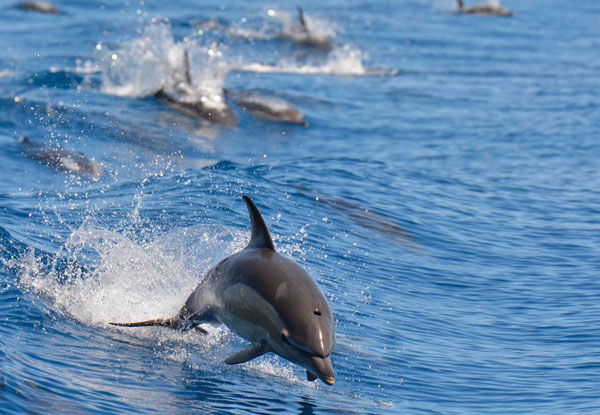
x,y
485,9
302,35
37,6
268,108
184,98
59,158
267,299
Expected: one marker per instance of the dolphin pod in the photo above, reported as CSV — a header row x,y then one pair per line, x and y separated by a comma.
x,y
486,9
267,299
59,158
182,99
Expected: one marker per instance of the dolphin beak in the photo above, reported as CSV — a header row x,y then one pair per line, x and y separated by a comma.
x,y
323,369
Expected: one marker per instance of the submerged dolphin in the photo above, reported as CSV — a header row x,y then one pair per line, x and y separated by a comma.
x,y
37,6
59,158
268,108
209,106
267,299
486,9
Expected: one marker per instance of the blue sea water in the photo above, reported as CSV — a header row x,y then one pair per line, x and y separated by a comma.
x,y
445,197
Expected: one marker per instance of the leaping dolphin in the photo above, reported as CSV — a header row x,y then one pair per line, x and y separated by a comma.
x,y
267,299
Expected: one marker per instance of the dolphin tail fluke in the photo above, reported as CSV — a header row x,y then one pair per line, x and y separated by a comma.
x,y
251,352
165,322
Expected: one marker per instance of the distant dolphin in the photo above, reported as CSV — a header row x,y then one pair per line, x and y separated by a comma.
x,y
59,158
486,9
268,300
268,107
183,98
302,35
37,6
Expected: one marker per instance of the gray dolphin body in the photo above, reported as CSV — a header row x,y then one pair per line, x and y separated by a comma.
x,y
37,6
485,9
268,108
59,158
197,109
268,300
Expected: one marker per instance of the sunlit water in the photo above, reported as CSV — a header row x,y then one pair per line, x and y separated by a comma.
x,y
445,197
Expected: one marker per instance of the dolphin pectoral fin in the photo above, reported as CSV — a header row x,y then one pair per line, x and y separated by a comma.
x,y
249,353
200,329
310,376
165,322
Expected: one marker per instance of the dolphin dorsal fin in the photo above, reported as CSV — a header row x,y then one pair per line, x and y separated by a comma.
x,y
260,237
302,19
188,73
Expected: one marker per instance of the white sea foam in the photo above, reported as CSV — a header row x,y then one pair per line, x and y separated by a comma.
x,y
345,61
86,67
127,280
285,25
153,61
5,73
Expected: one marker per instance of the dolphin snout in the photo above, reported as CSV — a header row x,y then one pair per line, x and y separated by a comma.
x,y
323,369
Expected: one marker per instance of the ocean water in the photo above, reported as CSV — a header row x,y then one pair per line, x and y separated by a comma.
x,y
445,197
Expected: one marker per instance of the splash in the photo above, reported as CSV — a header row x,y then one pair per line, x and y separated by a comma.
x,y
444,6
110,276
154,61
344,61
5,73
284,25
319,28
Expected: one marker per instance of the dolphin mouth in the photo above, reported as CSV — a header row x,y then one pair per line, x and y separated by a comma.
x,y
323,369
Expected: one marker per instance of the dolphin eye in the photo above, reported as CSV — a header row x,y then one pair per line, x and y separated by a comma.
x,y
317,312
